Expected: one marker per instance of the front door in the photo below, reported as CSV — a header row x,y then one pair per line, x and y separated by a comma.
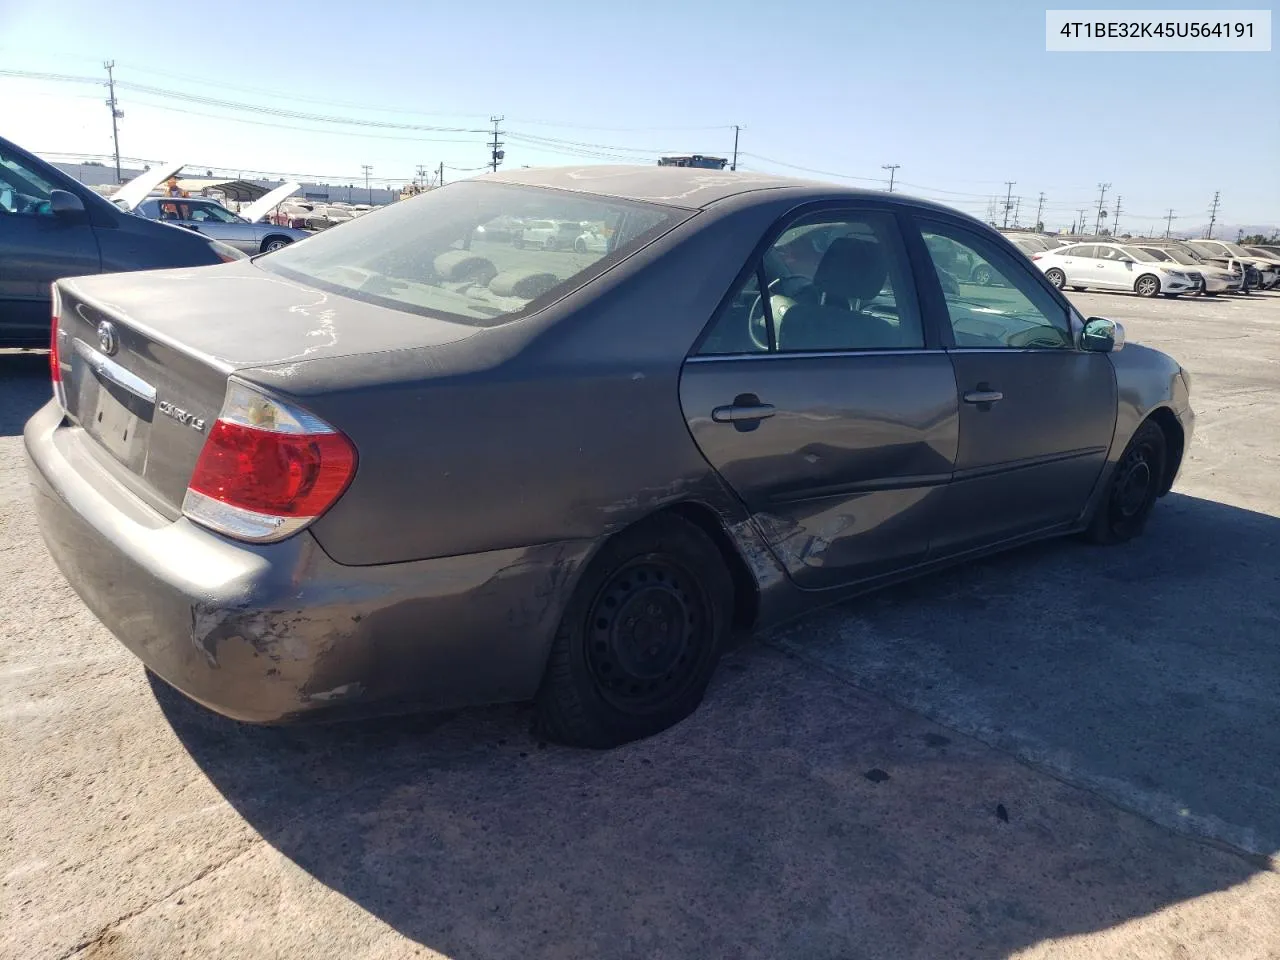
x,y
824,405
1036,413
36,248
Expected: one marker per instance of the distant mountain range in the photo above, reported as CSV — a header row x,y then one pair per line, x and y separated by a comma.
x,y
1228,231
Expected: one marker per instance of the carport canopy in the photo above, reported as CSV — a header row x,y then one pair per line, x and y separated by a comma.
x,y
241,191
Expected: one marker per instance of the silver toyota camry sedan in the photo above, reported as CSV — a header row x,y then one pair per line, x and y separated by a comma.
x,y
214,220
401,465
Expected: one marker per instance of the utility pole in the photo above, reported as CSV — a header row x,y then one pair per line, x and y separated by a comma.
x,y
440,180
497,153
1040,210
1008,199
1102,213
422,176
734,164
368,192
892,168
1017,206
1213,215
116,113
1168,223
1115,221
1082,213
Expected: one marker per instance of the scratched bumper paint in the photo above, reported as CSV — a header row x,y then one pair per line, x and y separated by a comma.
x,y
268,633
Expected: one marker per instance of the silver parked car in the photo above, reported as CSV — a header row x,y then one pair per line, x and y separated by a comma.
x,y
214,220
398,464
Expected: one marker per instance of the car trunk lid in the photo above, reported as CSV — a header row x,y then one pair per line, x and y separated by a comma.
x,y
145,357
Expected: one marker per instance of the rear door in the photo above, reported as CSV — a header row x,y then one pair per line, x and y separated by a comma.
x,y
36,248
825,404
1036,414
1078,265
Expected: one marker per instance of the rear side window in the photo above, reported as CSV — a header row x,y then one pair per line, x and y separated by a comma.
x,y
476,253
23,191
833,282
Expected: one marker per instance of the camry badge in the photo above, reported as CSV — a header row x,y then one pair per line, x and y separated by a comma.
x,y
182,416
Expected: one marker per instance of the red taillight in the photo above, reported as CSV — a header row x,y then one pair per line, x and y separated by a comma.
x,y
55,366
1036,256
285,475
268,469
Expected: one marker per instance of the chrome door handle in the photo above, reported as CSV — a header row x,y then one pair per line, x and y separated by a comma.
x,y
743,413
983,396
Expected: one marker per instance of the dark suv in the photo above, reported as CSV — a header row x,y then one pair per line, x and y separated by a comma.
x,y
51,226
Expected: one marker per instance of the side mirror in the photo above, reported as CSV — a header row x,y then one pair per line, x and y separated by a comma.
x,y
64,203
1102,335
1127,260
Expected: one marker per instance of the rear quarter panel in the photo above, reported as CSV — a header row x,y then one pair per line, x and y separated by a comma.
x,y
566,425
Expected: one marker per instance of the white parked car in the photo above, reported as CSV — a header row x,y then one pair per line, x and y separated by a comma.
x,y
1216,279
548,234
592,241
1220,250
1114,266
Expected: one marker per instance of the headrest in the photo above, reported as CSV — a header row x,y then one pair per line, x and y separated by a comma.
x,y
852,269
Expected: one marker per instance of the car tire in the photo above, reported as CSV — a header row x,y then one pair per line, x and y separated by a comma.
x,y
275,243
640,638
1133,488
1056,277
982,275
1146,285
1173,296
579,246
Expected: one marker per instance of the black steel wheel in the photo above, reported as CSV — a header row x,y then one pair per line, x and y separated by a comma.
x,y
640,638
1134,486
1056,277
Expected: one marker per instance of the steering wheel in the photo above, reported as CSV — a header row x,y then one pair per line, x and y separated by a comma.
x,y
789,287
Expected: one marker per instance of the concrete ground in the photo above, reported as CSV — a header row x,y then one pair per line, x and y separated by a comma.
x,y
1066,752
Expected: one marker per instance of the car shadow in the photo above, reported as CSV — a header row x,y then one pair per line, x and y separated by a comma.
x,y
24,388
796,815
1148,672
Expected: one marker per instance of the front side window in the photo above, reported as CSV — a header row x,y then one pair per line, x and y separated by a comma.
x,y
23,191
832,282
428,254
1112,253
212,213
1011,309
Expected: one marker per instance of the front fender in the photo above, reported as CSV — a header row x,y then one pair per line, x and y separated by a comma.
x,y
1147,382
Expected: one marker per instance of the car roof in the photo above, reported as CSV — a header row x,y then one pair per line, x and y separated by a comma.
x,y
689,187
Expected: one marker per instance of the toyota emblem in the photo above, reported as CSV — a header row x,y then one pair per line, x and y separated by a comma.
x,y
107,338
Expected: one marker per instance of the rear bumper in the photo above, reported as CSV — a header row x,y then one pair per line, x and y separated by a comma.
x,y
271,632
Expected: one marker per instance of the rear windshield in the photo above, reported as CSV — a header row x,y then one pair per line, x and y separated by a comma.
x,y
428,254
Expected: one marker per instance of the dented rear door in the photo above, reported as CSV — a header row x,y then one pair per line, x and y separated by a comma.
x,y
845,475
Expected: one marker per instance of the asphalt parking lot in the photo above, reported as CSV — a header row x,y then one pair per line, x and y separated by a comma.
x,y
1067,751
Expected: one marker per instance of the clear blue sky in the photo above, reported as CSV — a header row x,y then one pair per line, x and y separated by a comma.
x,y
962,95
